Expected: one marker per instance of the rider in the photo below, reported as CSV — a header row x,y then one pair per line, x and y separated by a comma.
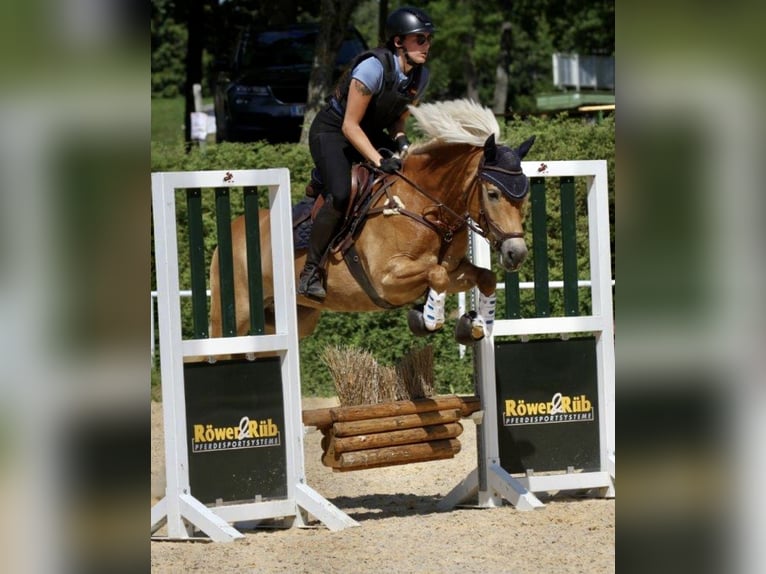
x,y
368,101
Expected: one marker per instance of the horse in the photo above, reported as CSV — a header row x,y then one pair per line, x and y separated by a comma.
x,y
414,237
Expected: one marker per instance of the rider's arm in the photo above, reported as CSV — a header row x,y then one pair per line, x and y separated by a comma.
x,y
396,131
359,97
397,128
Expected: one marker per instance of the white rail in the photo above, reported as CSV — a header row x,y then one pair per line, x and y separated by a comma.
x,y
461,305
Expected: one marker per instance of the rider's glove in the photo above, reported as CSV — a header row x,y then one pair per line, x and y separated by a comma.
x,y
390,164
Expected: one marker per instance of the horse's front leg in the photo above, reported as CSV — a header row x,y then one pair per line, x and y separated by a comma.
x,y
475,325
430,318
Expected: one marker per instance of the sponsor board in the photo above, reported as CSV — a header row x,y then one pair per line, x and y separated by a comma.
x,y
235,426
547,398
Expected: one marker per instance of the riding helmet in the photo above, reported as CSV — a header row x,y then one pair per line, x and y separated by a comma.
x,y
408,20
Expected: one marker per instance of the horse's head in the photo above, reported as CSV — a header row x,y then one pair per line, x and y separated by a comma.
x,y
504,189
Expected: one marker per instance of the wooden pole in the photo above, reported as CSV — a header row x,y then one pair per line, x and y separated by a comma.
x,y
397,437
384,424
323,418
356,413
393,455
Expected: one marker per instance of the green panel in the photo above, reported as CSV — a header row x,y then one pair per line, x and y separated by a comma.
x,y
197,263
569,246
540,247
512,296
225,266
254,276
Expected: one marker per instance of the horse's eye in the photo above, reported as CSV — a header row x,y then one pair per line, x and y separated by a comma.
x,y
493,194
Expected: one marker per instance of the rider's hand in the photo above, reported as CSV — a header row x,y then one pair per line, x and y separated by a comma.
x,y
390,164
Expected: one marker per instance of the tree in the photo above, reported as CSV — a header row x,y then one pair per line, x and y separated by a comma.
x,y
336,16
500,98
382,15
478,47
511,42
168,45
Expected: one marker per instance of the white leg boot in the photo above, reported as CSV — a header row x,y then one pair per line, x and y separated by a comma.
x,y
433,311
486,312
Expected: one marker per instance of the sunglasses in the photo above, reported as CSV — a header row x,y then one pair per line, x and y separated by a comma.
x,y
421,39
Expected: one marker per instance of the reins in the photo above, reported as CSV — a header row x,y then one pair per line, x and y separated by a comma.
x,y
483,227
439,203
443,229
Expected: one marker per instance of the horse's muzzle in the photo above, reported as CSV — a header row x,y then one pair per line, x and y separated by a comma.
x,y
512,253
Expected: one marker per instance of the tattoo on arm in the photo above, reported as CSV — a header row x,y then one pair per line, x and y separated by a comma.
x,y
362,89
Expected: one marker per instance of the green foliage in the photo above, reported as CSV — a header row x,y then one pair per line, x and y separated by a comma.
x,y
385,333
472,31
365,19
169,38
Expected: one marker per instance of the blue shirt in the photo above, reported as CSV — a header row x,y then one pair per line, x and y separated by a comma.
x,y
370,73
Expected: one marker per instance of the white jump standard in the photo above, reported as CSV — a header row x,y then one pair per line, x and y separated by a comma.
x,y
179,510
489,484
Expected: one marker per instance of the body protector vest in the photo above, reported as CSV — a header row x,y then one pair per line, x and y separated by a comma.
x,y
386,107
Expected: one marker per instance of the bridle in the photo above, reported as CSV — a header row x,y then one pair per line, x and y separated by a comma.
x,y
484,225
485,221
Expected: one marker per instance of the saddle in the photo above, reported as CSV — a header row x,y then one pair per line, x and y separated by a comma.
x,y
367,187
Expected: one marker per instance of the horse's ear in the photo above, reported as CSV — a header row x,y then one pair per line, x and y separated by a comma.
x,y
523,149
490,149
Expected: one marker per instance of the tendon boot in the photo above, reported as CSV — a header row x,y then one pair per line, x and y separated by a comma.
x,y
310,283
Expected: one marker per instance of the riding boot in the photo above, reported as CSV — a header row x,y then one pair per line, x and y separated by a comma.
x,y
324,227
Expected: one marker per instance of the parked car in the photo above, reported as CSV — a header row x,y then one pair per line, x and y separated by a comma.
x,y
262,92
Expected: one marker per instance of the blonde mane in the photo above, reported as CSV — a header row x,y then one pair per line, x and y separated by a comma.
x,y
454,121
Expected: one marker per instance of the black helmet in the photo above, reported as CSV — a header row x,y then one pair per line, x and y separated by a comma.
x,y
408,20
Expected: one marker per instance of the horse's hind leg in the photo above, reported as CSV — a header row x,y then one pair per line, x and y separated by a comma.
x,y
473,326
308,318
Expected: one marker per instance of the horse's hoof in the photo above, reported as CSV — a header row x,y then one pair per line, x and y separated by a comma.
x,y
477,331
467,330
416,321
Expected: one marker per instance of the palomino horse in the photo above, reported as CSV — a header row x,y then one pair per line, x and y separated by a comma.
x,y
415,240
